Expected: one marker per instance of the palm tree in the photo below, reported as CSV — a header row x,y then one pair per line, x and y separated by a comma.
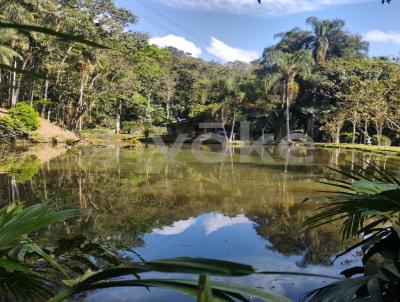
x,y
286,67
7,53
322,30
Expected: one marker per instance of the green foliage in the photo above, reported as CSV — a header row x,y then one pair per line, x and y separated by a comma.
x,y
148,128
49,32
381,140
11,130
204,113
27,115
131,127
347,137
70,142
19,279
369,208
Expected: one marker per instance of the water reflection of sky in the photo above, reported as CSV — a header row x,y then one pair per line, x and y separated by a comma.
x,y
218,236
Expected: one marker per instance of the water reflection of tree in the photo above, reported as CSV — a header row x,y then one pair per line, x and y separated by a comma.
x,y
127,193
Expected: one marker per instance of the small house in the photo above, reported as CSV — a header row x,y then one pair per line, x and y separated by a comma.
x,y
177,128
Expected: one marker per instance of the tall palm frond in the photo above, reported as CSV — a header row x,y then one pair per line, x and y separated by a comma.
x,y
7,54
322,30
18,279
365,195
368,203
16,222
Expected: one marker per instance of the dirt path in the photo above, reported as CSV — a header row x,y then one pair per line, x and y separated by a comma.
x,y
3,112
48,131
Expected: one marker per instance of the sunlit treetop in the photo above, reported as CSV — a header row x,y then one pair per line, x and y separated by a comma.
x,y
383,1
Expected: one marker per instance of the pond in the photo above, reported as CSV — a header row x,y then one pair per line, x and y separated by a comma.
x,y
247,207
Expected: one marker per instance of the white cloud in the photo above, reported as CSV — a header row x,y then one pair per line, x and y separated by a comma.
x,y
176,228
268,8
178,42
381,36
219,221
227,53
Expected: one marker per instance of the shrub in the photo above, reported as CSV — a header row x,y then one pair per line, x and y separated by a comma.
x,y
11,130
385,141
130,127
148,129
27,115
347,137
54,140
70,141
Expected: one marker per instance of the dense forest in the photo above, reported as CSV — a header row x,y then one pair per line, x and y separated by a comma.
x,y
318,80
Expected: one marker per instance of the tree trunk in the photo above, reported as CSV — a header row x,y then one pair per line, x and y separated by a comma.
x,y
167,105
223,121
62,64
80,102
13,88
367,138
338,135
310,126
32,92
287,111
168,110
46,93
14,189
118,119
379,131
233,127
17,83
353,140
263,133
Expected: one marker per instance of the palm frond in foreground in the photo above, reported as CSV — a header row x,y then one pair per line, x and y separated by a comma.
x,y
368,203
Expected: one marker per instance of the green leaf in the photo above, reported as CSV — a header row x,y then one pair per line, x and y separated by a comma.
x,y
372,187
298,274
11,266
35,248
200,266
204,291
344,290
16,224
221,291
374,290
175,285
51,32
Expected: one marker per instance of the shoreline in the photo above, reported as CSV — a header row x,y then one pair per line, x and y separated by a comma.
x,y
383,150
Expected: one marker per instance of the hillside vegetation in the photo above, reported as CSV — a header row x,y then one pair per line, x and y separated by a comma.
x,y
317,79
24,122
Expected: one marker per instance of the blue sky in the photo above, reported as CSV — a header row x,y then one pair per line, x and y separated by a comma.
x,y
226,30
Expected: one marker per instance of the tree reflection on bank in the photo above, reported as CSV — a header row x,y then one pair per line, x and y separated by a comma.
x,y
126,194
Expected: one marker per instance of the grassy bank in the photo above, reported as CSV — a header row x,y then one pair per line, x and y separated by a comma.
x,y
364,148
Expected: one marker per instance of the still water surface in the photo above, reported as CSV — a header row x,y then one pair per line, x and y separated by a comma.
x,y
247,210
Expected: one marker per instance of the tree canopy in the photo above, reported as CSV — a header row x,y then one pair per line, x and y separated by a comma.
x,y
128,84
